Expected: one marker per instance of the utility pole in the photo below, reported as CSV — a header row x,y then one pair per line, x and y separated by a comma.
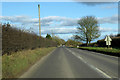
x,y
39,20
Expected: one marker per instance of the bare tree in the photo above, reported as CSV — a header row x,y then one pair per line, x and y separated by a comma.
x,y
88,29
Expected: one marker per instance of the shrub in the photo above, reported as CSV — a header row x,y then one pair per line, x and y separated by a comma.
x,y
115,42
14,40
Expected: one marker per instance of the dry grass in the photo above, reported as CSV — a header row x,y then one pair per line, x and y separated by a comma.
x,y
15,64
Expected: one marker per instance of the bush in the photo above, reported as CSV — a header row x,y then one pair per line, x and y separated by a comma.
x,y
101,43
72,43
14,40
115,42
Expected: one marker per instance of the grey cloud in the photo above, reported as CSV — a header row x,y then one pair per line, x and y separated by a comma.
x,y
96,2
23,20
55,20
69,22
15,18
112,20
63,21
72,30
108,30
18,19
59,30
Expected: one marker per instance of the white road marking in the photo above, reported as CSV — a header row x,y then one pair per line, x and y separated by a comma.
x,y
103,73
80,57
93,67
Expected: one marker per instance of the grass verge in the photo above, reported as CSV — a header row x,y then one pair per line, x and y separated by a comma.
x,y
14,65
104,50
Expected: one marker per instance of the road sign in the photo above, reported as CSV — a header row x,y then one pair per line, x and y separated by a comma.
x,y
108,40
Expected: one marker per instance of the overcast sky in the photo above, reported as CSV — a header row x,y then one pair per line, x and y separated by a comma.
x,y
60,18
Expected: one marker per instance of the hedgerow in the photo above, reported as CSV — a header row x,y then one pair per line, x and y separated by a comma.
x,y
14,40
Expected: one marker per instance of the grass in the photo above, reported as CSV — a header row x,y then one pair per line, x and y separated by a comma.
x,y
102,49
15,64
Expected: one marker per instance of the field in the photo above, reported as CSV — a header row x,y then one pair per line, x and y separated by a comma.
x,y
14,65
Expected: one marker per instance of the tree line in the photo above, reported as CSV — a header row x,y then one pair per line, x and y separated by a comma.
x,y
72,43
58,40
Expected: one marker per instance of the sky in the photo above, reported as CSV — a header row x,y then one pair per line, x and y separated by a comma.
x,y
59,0
60,18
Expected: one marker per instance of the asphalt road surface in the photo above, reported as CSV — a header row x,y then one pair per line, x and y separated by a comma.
x,y
66,62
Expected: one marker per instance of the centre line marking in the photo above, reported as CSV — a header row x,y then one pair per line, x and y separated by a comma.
x,y
103,73
98,70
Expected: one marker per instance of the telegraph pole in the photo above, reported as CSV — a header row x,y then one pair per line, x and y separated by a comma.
x,y
39,20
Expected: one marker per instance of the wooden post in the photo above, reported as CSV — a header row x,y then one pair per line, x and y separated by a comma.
x,y
39,20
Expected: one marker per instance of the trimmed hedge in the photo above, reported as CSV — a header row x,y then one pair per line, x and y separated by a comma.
x,y
14,40
108,51
114,43
91,44
101,43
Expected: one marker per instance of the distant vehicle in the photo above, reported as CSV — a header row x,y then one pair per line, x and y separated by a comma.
x,y
63,45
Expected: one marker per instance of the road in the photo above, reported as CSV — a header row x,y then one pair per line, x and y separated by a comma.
x,y
66,62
